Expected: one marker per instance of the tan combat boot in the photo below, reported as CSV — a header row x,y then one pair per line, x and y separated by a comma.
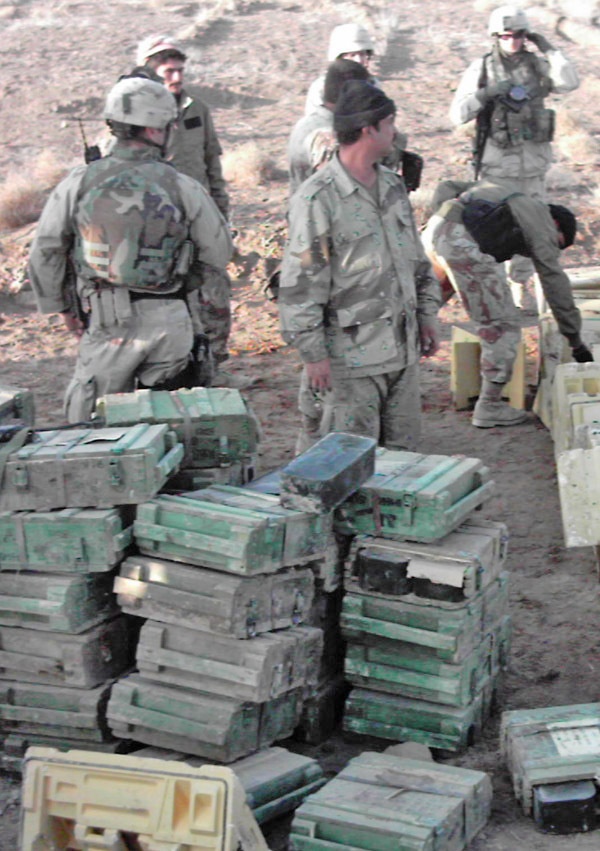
x,y
491,410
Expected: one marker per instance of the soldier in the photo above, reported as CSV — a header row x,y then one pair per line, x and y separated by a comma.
x,y
358,298
124,222
312,140
504,91
194,149
347,41
476,227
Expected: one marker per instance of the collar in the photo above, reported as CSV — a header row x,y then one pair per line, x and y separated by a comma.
x,y
125,151
346,184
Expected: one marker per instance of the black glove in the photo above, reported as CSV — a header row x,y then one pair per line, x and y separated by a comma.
x,y
582,354
540,41
494,90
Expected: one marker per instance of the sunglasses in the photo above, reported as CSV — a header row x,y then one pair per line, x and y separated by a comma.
x,y
515,36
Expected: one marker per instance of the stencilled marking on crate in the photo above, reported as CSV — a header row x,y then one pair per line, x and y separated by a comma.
x,y
576,738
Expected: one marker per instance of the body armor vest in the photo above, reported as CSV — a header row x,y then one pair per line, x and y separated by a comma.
x,y
515,121
130,223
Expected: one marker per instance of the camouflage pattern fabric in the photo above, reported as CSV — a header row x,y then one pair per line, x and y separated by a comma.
x,y
210,305
355,406
354,280
129,224
153,346
354,275
481,283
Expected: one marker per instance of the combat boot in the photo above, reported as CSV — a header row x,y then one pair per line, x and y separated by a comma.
x,y
490,412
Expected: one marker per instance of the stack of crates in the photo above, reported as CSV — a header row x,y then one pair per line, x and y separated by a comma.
x,y
63,639
553,755
425,613
226,580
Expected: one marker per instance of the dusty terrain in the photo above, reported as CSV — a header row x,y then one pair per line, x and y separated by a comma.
x,y
255,61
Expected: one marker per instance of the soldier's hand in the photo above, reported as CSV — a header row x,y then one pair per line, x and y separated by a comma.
x,y
540,41
319,374
582,354
494,90
429,335
73,324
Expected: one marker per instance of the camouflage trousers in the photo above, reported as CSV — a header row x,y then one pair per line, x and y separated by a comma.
x,y
385,407
481,283
152,344
209,301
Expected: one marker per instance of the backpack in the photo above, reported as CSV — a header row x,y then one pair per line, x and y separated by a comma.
x,y
493,227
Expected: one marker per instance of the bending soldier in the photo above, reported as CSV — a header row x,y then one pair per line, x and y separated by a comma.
x,y
505,91
476,227
124,222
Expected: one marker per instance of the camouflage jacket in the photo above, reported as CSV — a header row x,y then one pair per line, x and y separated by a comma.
x,y
194,148
355,278
65,228
312,142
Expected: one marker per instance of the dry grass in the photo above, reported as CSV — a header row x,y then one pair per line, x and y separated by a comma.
x,y
574,141
24,193
247,166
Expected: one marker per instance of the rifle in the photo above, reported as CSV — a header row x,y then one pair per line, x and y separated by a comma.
x,y
483,124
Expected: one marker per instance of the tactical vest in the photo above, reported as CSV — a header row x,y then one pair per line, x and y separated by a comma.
x,y
511,126
130,223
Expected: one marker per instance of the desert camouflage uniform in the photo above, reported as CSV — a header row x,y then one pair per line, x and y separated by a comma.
x,y
121,221
194,150
518,153
481,281
354,282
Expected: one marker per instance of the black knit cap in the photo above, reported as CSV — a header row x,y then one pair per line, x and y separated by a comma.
x,y
566,222
361,104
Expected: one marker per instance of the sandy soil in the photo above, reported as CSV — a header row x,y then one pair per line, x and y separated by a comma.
x,y
255,65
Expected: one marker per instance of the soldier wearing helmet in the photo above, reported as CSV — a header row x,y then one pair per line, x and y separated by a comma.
x,y
122,225
504,92
347,41
194,149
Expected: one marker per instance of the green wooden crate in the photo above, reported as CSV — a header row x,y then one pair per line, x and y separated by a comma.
x,y
78,468
56,602
214,424
236,540
415,497
474,788
306,535
71,540
326,474
454,568
400,719
452,632
30,708
412,672
554,744
15,746
241,606
59,658
256,670
209,726
349,814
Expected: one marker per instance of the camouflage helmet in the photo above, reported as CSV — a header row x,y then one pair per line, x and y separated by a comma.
x,y
140,102
348,38
508,19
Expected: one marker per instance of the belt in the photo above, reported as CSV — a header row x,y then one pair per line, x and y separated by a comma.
x,y
138,296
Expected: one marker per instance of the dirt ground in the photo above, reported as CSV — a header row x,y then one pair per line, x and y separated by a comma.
x,y
255,61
